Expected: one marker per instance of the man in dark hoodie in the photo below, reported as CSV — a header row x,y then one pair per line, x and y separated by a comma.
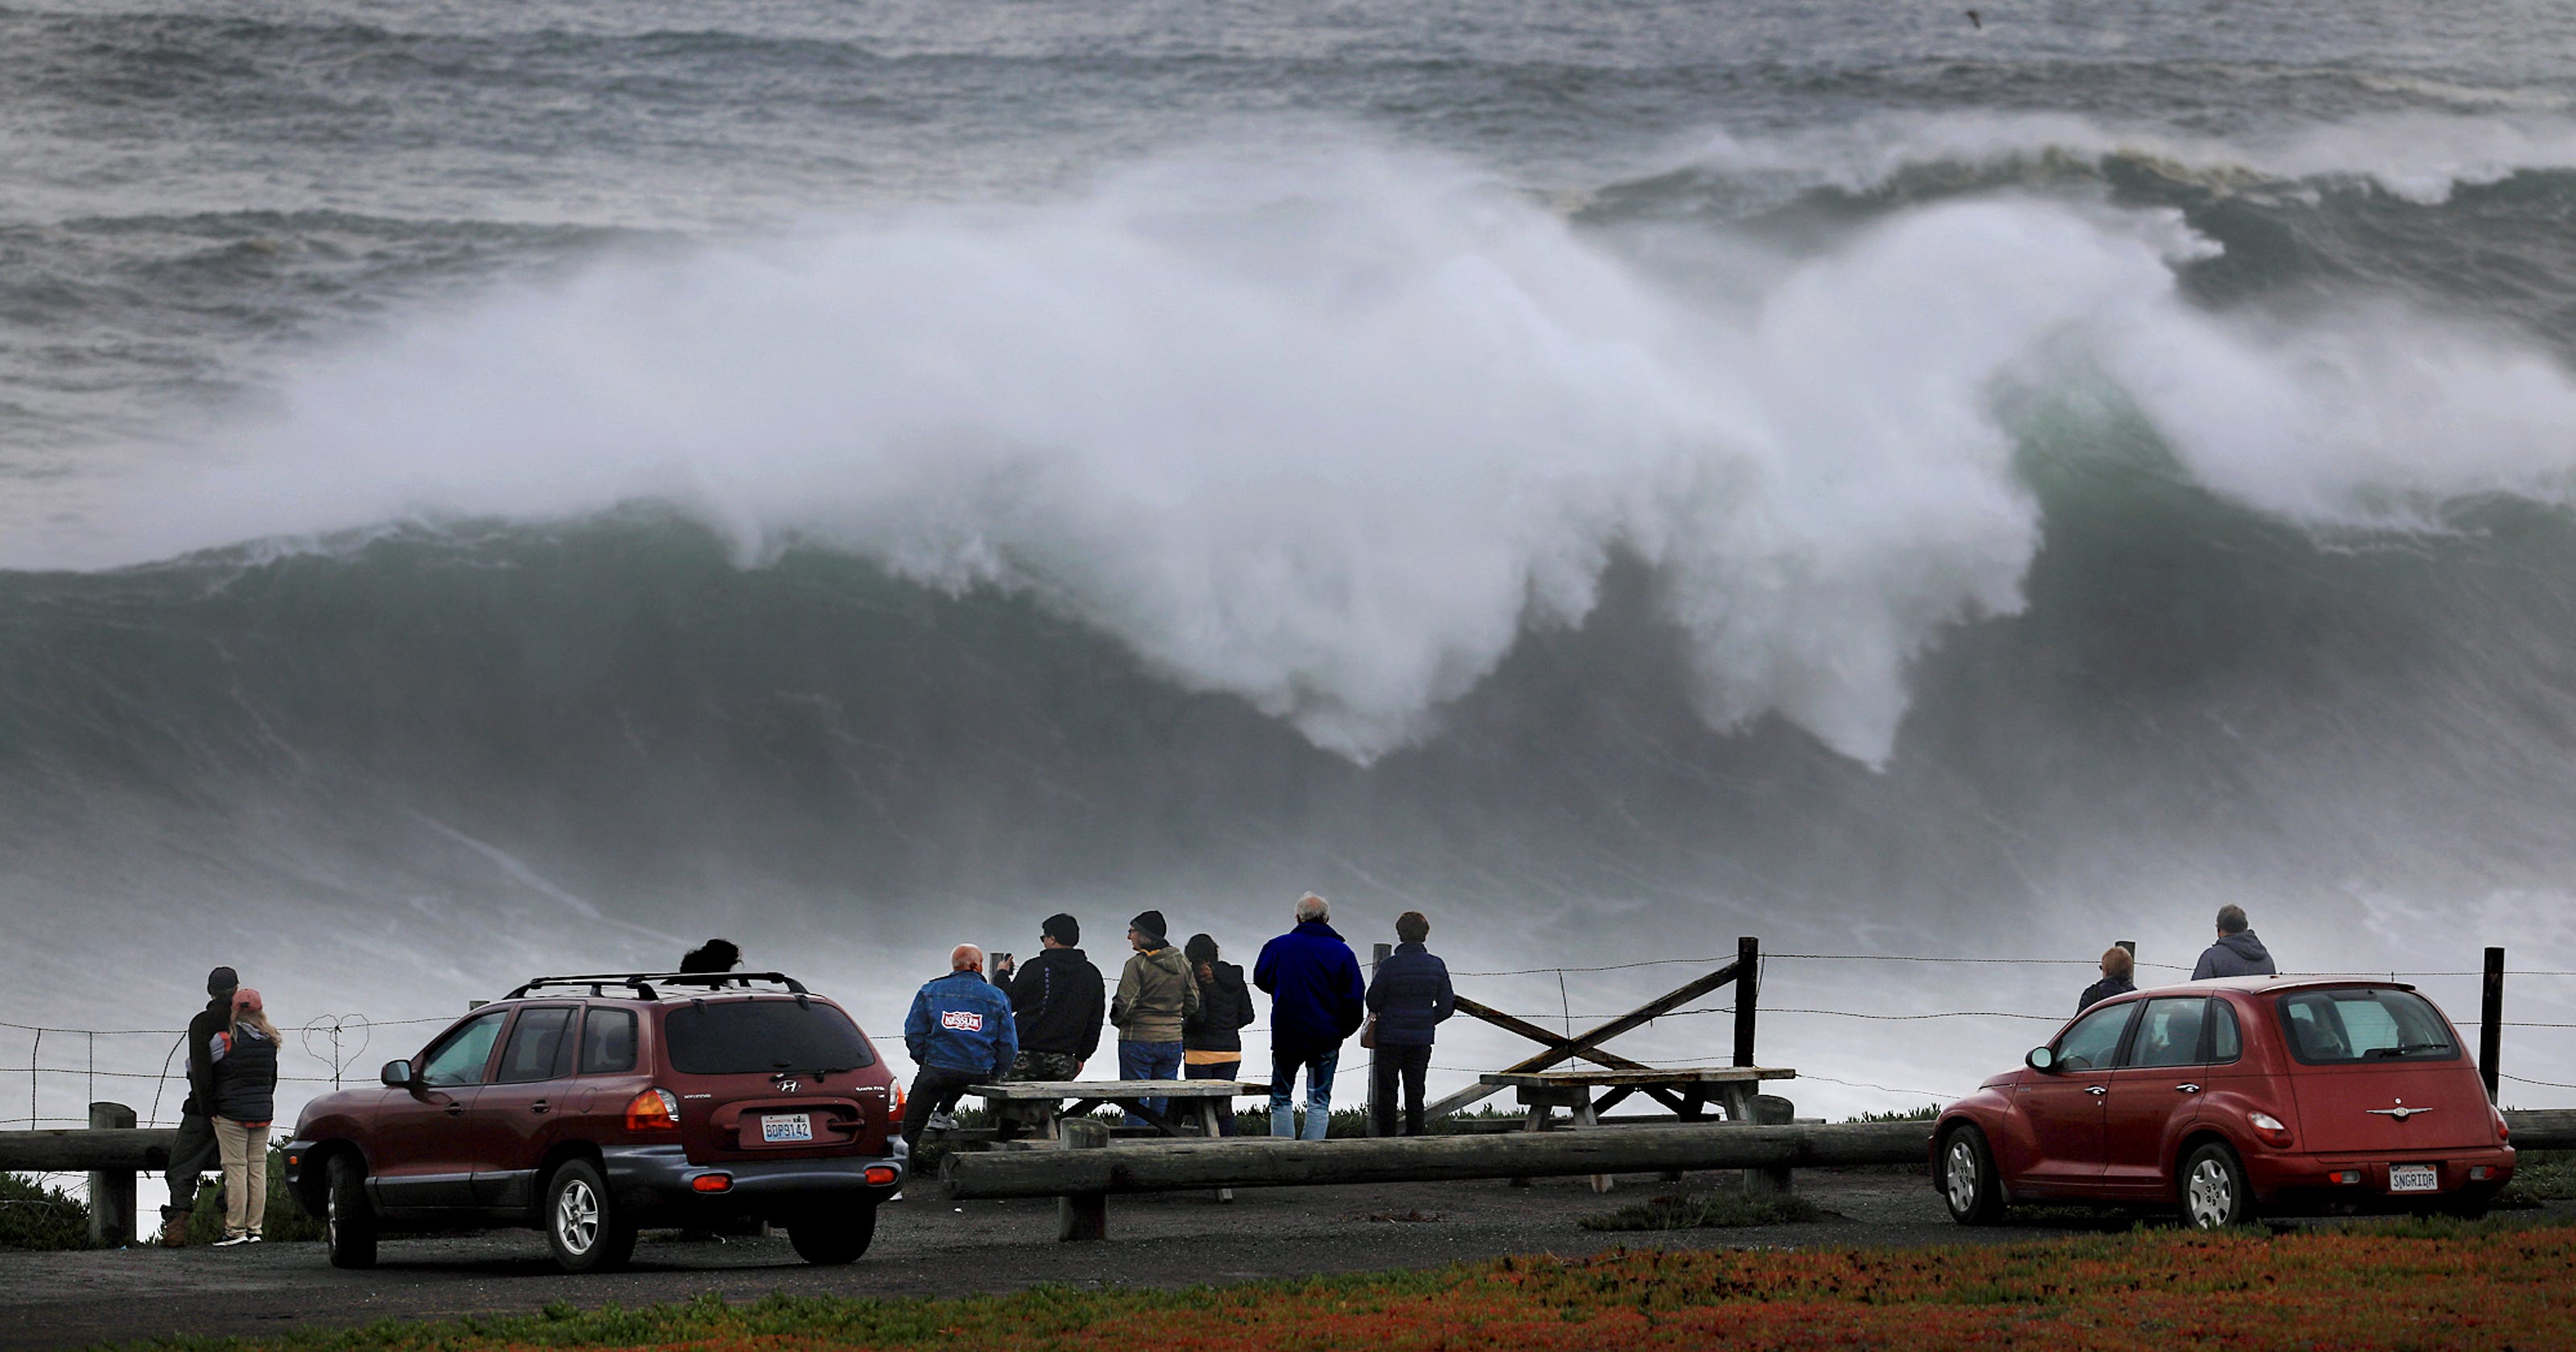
x,y
1056,1002
196,1150
1317,1001
1156,997
2237,952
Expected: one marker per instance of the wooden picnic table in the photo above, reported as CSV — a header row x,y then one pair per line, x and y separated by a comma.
x,y
1687,1090
1042,1103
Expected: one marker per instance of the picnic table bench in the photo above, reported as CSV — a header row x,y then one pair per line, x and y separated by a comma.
x,y
1040,1104
1688,1091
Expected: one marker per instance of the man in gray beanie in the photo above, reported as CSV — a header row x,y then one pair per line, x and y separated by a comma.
x,y
195,1151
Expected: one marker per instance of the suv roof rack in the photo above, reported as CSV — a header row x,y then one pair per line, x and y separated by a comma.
x,y
642,983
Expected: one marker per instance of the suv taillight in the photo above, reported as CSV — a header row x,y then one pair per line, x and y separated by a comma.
x,y
653,1110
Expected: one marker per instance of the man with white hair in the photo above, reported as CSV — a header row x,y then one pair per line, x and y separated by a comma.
x,y
959,1033
1317,1001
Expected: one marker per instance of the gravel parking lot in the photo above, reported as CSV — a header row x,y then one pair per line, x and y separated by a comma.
x,y
926,1247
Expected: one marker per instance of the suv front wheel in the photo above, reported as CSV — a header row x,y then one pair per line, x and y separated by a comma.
x,y
349,1224
831,1240
582,1222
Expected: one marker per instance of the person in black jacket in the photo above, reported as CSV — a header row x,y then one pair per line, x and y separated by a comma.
x,y
2117,967
1058,1002
1212,1036
245,1064
1409,997
195,1151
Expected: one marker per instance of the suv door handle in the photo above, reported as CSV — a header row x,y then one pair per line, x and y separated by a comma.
x,y
539,1106
2187,1088
2096,1090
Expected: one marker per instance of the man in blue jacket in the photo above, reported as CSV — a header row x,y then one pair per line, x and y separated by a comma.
x,y
959,1032
1317,1000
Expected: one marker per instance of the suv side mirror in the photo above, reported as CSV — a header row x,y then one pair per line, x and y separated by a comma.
x,y
396,1075
2040,1059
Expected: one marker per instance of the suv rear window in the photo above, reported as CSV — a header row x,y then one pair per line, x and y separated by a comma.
x,y
2343,1027
744,1036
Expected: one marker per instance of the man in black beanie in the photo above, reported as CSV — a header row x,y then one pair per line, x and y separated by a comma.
x,y
1057,1001
195,1151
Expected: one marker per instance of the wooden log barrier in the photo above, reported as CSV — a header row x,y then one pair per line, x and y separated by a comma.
x,y
1262,1162
2542,1128
1269,1163
73,1150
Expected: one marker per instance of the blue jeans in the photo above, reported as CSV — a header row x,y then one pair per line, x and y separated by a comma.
x,y
1150,1061
1319,1091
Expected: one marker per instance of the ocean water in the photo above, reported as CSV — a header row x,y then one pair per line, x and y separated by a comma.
x,y
484,492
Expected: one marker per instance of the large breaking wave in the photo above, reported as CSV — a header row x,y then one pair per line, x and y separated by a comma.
x,y
1331,434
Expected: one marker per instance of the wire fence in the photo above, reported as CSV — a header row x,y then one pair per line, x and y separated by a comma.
x,y
330,1046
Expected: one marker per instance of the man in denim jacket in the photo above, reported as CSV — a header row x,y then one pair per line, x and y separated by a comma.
x,y
960,1033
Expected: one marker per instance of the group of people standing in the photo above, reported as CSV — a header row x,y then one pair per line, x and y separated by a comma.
x,y
1180,1013
232,1100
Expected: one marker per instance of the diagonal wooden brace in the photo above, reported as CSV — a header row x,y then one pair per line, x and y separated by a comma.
x,y
1544,1038
1561,1050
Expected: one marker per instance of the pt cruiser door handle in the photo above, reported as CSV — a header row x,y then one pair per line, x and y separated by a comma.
x,y
2096,1089
539,1106
2187,1088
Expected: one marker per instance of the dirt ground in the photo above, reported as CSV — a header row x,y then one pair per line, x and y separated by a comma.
x,y
924,1247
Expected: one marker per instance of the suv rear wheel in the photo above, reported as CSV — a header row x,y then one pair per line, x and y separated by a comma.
x,y
349,1224
830,1240
582,1223
2214,1191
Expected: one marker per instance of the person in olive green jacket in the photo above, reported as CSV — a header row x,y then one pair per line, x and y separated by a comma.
x,y
1155,994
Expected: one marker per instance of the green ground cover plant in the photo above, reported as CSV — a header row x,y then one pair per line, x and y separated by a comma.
x,y
2413,1286
33,1216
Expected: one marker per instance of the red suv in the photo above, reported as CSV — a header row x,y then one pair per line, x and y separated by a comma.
x,y
590,1106
2277,1094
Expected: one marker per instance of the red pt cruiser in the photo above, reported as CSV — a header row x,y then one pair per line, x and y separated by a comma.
x,y
590,1106
2231,1098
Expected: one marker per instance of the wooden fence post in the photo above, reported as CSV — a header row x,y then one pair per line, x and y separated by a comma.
x,y
1377,959
2491,1021
1770,1110
1082,1217
111,1191
1748,980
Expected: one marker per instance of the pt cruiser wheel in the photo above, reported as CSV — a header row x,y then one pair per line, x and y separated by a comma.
x,y
1968,1183
582,1223
2214,1192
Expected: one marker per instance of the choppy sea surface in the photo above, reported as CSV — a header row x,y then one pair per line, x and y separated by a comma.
x,y
495,489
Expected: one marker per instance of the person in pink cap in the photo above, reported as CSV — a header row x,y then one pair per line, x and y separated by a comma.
x,y
245,1062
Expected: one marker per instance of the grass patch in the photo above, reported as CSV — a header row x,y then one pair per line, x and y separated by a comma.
x,y
33,1216
1707,1210
2541,1176
2416,1286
